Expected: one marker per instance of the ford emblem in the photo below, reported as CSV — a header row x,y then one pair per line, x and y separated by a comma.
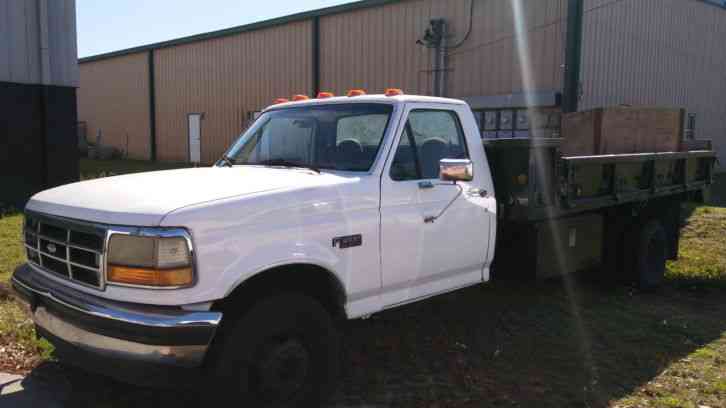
x,y
51,248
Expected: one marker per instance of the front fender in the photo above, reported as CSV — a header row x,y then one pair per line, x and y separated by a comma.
x,y
239,238
308,255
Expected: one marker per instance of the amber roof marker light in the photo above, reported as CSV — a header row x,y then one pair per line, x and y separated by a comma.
x,y
280,100
356,92
325,95
298,98
393,92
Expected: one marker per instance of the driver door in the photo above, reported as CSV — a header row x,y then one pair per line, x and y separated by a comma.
x,y
421,258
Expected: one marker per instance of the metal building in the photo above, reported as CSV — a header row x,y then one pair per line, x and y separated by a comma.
x,y
38,79
189,98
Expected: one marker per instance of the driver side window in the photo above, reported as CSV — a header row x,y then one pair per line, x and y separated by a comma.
x,y
429,136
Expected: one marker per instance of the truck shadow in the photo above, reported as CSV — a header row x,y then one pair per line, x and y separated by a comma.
x,y
500,344
503,345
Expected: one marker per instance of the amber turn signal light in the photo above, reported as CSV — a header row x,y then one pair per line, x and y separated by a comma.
x,y
150,277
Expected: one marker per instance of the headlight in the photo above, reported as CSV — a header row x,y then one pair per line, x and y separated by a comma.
x,y
163,261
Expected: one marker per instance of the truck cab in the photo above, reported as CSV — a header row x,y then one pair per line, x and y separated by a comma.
x,y
323,210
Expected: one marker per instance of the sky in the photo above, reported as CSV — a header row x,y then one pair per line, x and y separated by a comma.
x,y
105,26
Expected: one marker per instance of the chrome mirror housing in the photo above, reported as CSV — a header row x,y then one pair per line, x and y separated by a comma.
x,y
456,170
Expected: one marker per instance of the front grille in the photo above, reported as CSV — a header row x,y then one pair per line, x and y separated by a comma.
x,y
68,249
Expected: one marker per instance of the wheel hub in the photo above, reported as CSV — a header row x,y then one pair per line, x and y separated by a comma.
x,y
283,370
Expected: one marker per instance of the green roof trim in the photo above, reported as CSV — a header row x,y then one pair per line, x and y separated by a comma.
x,y
306,15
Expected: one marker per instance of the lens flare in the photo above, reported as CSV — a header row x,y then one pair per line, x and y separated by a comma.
x,y
529,87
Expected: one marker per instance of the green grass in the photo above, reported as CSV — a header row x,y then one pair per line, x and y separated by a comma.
x,y
19,349
702,260
98,168
11,249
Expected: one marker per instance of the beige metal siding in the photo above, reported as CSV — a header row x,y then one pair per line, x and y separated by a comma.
x,y
376,48
21,44
225,79
489,63
114,98
658,52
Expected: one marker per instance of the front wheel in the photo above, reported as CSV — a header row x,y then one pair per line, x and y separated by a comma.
x,y
284,352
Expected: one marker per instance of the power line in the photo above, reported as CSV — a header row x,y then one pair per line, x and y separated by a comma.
x,y
468,32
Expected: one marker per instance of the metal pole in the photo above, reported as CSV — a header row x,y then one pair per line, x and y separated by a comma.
x,y
442,60
573,54
152,107
316,56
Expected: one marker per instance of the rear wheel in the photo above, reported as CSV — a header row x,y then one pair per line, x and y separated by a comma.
x,y
284,352
651,257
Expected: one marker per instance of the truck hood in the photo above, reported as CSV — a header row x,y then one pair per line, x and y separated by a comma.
x,y
143,199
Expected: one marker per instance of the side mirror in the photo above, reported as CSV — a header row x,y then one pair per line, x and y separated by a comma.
x,y
456,170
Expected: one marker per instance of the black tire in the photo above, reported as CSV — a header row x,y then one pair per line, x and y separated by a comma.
x,y
651,257
284,352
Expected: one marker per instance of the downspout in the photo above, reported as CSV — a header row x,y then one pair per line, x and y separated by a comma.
x,y
436,70
152,107
573,56
316,56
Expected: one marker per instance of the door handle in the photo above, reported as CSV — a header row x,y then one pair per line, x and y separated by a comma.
x,y
425,185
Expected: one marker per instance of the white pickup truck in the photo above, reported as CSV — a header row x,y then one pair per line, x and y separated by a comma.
x,y
325,210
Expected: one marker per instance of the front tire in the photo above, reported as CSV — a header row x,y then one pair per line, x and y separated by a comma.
x,y
284,352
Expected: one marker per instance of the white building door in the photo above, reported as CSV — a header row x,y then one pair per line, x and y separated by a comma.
x,y
195,137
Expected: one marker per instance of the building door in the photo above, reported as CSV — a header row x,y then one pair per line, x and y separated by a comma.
x,y
195,137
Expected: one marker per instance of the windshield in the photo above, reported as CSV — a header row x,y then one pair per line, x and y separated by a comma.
x,y
337,137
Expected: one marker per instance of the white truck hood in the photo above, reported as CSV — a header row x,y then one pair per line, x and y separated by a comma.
x,y
143,199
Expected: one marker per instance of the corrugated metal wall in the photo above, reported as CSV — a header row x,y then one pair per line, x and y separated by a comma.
x,y
226,79
20,42
489,64
114,98
376,48
658,52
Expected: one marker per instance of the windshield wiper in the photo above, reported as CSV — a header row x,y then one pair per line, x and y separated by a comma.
x,y
227,161
287,163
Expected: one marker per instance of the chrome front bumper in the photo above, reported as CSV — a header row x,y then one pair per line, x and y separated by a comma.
x,y
122,331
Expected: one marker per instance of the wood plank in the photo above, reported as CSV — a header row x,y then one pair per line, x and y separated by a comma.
x,y
622,129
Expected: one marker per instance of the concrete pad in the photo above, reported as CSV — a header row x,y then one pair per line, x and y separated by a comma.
x,y
25,392
8,378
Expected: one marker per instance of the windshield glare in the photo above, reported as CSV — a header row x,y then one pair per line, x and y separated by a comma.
x,y
337,137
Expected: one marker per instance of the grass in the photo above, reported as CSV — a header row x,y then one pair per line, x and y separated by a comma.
x,y
19,349
546,344
702,260
11,250
99,168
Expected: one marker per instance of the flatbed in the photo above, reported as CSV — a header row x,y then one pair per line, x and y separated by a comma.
x,y
544,197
